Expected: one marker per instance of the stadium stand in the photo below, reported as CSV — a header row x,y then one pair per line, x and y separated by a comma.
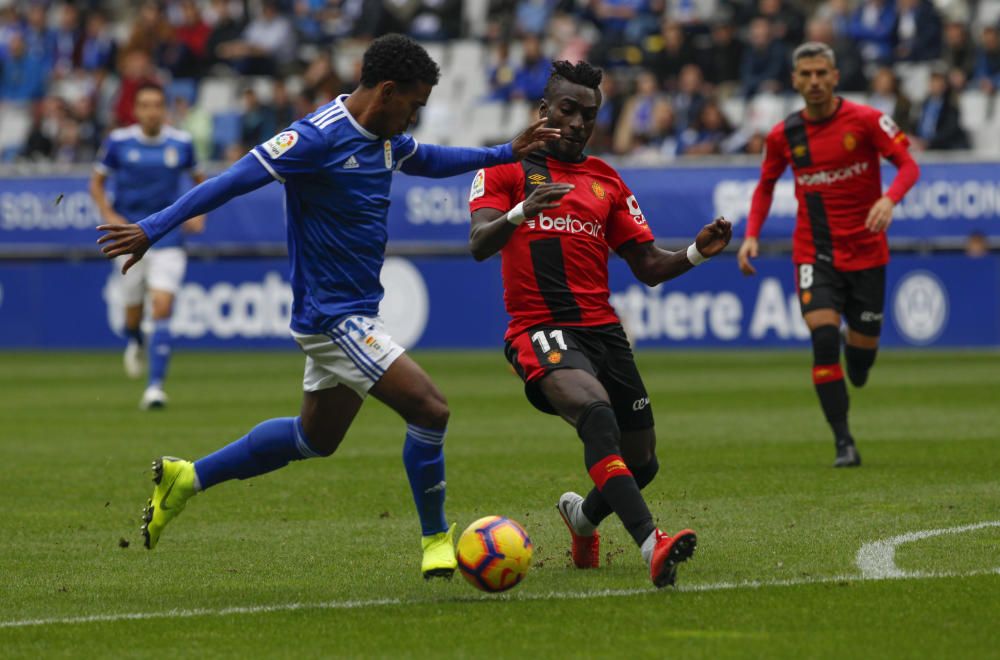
x,y
91,56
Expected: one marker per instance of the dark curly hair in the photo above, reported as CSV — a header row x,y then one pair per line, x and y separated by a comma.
x,y
398,58
581,73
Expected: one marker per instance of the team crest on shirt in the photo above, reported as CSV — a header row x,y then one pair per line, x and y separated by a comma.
x,y
132,156
555,357
597,189
478,186
850,142
387,149
170,157
281,143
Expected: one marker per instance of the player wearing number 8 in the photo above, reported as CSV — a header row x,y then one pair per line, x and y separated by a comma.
x,y
553,218
840,248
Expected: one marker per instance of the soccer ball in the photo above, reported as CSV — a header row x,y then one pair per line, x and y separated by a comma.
x,y
494,553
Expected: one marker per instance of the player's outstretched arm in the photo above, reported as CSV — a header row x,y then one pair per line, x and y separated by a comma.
x,y
491,228
652,265
437,162
245,175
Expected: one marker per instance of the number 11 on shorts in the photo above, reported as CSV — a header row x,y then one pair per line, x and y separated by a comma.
x,y
543,343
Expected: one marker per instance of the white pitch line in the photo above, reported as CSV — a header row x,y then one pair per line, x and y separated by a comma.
x,y
877,560
524,596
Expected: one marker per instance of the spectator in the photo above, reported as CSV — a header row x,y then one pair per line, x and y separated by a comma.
x,y
849,63
987,71
136,70
764,61
267,45
939,126
533,74
436,20
722,60
665,141
66,41
192,34
226,29
69,148
9,26
41,139
320,79
24,72
197,123
838,13
532,16
501,73
281,104
151,32
570,39
39,41
668,53
887,98
872,26
918,31
693,14
689,96
786,21
958,54
257,123
99,50
637,124
707,133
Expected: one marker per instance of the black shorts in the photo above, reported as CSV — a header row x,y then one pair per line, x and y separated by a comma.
x,y
604,352
858,295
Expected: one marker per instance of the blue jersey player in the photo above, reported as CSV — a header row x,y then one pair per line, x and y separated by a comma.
x,y
336,165
145,163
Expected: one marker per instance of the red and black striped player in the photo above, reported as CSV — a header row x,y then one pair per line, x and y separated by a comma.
x,y
554,218
839,248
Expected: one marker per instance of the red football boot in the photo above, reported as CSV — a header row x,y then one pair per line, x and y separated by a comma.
x,y
586,549
668,552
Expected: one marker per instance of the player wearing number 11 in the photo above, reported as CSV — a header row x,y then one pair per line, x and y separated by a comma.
x,y
553,218
840,248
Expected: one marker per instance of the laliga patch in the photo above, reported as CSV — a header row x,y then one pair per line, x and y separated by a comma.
x,y
478,186
281,143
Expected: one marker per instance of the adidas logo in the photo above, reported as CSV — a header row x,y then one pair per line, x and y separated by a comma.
x,y
351,163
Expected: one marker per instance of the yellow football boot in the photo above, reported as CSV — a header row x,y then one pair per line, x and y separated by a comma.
x,y
174,478
439,554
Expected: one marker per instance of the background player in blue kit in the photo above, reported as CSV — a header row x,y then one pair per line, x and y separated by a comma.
x,y
146,162
336,165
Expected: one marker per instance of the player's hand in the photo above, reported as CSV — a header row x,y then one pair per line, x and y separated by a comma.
x,y
748,250
545,196
880,215
124,239
533,138
713,238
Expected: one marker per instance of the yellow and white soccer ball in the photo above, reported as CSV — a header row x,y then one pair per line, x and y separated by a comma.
x,y
494,553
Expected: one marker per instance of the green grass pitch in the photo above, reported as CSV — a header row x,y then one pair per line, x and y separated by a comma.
x,y
321,559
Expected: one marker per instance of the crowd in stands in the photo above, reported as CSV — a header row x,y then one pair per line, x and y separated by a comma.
x,y
680,74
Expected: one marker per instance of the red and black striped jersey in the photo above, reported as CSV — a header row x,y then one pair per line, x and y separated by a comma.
x,y
837,180
555,265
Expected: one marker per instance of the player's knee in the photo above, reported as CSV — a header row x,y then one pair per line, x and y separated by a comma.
x,y
322,440
431,413
826,344
597,425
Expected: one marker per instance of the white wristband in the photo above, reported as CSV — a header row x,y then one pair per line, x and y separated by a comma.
x,y
694,256
515,216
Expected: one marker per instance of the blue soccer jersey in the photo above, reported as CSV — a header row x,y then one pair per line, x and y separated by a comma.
x,y
146,172
337,177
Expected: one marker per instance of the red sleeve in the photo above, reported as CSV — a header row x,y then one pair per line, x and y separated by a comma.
x,y
626,221
893,145
771,169
500,188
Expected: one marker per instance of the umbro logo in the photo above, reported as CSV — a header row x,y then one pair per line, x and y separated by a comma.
x,y
351,163
536,179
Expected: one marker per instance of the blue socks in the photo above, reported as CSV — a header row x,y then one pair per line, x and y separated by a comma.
x,y
423,456
159,352
269,446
